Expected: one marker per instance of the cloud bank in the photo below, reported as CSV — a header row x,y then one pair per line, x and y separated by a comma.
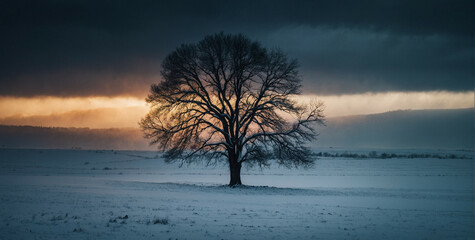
x,y
111,48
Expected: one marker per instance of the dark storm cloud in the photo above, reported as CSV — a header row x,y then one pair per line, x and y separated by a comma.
x,y
356,60
111,47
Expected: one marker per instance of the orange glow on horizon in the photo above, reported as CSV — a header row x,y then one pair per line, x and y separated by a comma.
x,y
112,112
10,106
371,103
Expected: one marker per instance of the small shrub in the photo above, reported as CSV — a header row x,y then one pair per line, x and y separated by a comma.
x,y
163,221
373,154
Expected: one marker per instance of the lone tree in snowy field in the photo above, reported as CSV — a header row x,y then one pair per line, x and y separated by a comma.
x,y
227,98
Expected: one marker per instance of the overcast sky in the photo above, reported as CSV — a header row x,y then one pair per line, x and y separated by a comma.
x,y
112,48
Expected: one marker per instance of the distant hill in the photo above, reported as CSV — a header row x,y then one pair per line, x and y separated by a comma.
x,y
452,128
67,138
448,129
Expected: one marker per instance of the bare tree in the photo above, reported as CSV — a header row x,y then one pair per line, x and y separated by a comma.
x,y
229,99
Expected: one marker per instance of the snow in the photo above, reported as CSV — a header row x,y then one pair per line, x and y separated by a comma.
x,y
80,194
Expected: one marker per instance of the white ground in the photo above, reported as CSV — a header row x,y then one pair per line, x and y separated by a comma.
x,y
68,194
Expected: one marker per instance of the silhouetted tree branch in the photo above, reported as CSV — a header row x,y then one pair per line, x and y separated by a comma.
x,y
228,98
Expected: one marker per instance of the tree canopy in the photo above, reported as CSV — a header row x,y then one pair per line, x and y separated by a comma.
x,y
227,98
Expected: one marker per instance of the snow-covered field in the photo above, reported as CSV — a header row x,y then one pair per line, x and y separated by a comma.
x,y
74,194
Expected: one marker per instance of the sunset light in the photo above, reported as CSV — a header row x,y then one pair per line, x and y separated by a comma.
x,y
12,106
104,112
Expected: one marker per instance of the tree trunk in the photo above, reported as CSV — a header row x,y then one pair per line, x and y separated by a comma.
x,y
235,172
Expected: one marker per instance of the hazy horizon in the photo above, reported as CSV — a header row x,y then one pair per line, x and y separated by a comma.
x,y
423,129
